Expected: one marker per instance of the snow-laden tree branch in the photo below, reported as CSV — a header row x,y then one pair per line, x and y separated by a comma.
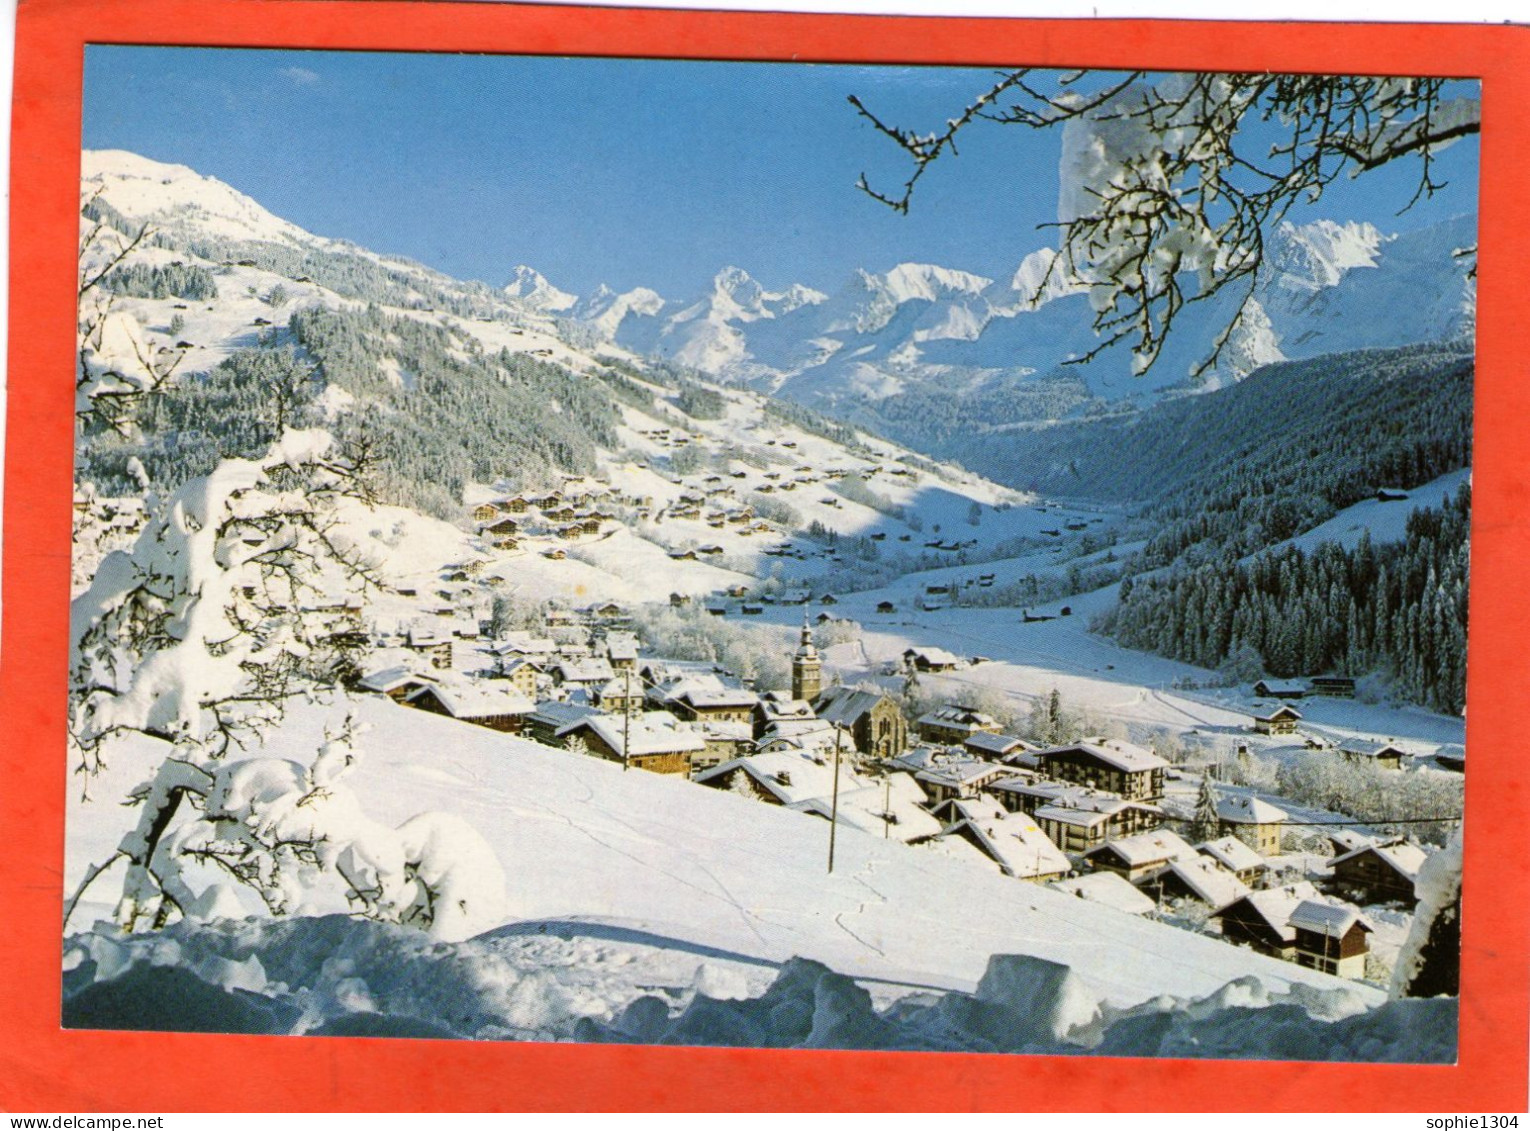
x,y
115,366
284,830
1170,182
203,631
201,636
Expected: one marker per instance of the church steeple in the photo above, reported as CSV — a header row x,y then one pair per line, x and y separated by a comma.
x,y
807,668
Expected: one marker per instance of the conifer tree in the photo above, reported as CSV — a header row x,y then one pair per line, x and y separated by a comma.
x,y
1207,824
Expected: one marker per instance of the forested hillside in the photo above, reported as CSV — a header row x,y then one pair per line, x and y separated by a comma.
x,y
1396,608
1249,466
437,410
1223,478
971,426
442,411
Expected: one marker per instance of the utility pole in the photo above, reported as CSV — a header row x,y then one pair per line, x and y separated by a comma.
x,y
834,802
627,721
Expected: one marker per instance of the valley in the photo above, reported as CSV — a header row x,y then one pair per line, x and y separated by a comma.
x,y
494,548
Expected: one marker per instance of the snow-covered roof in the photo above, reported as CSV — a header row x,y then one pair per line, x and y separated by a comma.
x,y
1080,818
1403,858
917,758
844,705
1348,840
392,678
621,646
790,776
868,808
993,745
1281,686
1114,752
1451,752
731,731
429,636
1369,748
1275,905
1022,758
933,655
510,667
477,700
958,773
559,715
1232,853
1018,844
653,732
1024,782
525,644
1246,809
954,810
716,698
584,671
670,685
1148,848
1068,795
1326,919
1209,881
956,715
809,736
779,709
1107,888
800,727
1284,711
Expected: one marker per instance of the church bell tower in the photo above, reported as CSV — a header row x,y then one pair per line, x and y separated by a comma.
x,y
807,668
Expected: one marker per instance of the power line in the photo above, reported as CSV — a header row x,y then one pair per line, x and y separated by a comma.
x,y
1376,821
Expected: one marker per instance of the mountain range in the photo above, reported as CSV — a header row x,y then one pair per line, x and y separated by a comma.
x,y
946,361
878,349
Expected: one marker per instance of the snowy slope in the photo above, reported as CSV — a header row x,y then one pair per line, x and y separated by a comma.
x,y
1384,521
145,190
527,317
591,851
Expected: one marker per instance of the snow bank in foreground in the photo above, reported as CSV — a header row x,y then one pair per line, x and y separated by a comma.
x,y
339,976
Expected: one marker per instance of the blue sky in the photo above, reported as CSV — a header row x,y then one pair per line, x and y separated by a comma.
x,y
627,172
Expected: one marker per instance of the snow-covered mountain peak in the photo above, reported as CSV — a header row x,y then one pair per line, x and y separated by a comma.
x,y
531,287
927,281
736,294
797,296
605,309
125,163
1317,255
1040,278
870,301
142,189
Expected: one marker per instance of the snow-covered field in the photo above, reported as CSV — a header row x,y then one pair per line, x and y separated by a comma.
x,y
583,842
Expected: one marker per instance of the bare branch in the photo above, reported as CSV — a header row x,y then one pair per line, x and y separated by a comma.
x,y
1179,190
90,282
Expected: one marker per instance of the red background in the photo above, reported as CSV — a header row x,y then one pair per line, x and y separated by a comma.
x,y
45,1068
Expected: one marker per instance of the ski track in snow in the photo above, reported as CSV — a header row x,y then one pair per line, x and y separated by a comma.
x,y
839,917
745,915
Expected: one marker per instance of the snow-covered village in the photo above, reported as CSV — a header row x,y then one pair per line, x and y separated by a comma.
x,y
935,664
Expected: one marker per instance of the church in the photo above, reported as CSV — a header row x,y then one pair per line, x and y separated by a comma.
x,y
874,720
